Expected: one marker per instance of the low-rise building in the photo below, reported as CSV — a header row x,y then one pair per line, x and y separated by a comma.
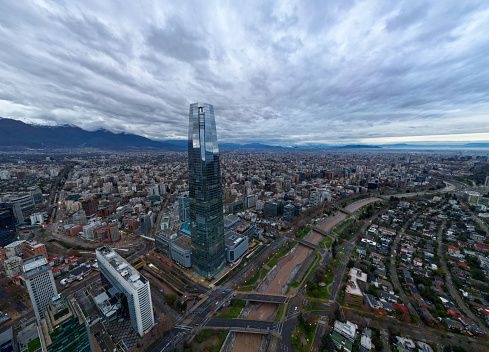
x,y
33,248
13,266
348,329
236,245
181,251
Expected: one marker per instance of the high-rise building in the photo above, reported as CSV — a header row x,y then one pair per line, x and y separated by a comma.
x,y
116,272
64,327
205,192
39,283
7,224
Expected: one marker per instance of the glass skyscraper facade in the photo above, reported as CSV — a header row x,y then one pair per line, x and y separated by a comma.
x,y
7,224
205,192
64,327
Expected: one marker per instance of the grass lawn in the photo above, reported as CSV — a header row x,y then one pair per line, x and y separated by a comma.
x,y
303,232
263,272
326,243
253,279
336,263
230,313
208,334
273,261
246,289
280,312
34,345
297,337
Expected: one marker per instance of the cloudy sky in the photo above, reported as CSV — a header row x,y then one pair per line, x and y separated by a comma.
x,y
283,73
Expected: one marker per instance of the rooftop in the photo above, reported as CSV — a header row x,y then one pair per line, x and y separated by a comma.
x,y
184,241
357,274
125,270
230,220
232,238
14,244
35,265
353,288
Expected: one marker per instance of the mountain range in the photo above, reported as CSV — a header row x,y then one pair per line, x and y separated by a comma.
x,y
17,134
14,133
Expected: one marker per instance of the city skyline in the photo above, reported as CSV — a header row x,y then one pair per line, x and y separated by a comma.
x,y
281,74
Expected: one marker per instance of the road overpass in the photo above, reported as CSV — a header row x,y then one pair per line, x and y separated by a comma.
x,y
263,298
324,233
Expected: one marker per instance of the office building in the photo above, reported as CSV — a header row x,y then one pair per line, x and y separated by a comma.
x,y
64,327
26,204
7,224
33,248
181,251
117,273
205,192
7,340
145,224
236,206
14,249
13,266
236,246
250,201
89,206
36,195
40,284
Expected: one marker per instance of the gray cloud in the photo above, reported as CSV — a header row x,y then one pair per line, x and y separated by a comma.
x,y
276,72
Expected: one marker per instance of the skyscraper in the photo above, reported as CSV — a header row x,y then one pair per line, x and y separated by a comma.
x,y
205,192
64,327
40,283
7,224
118,273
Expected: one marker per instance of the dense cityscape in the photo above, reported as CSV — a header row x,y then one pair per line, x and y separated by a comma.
x,y
239,249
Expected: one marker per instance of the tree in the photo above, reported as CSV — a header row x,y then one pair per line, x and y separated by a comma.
x,y
327,344
337,314
171,298
351,263
301,319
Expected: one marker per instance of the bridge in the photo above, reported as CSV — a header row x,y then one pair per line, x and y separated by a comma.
x,y
347,212
324,233
263,297
310,245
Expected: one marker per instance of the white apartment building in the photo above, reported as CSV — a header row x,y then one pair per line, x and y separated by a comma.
x,y
128,281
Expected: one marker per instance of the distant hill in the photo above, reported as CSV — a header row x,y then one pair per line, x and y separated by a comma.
x,y
360,146
14,133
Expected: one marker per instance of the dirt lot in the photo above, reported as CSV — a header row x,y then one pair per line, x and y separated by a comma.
x,y
262,313
247,342
287,264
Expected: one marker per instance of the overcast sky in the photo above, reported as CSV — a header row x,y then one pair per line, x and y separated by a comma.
x,y
283,73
